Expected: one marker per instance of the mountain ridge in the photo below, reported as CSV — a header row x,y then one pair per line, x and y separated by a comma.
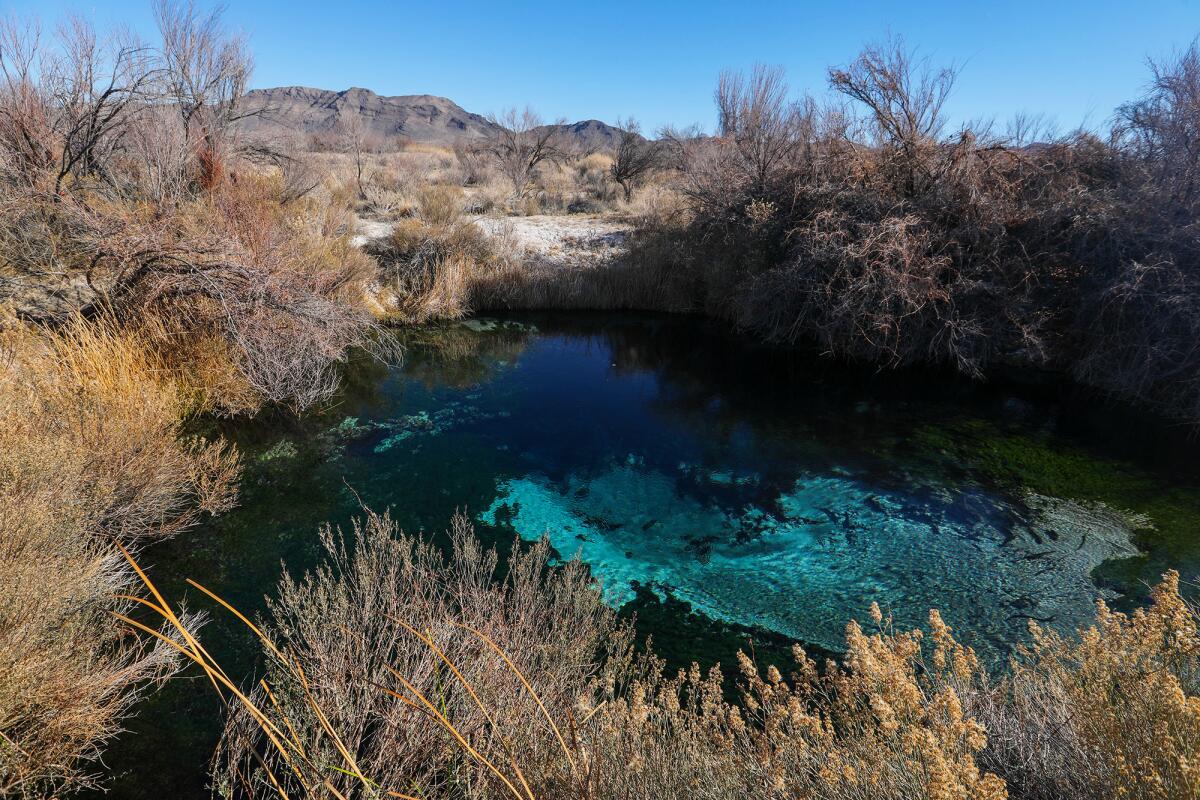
x,y
394,119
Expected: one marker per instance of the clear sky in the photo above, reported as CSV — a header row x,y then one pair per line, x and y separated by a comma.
x,y
1074,61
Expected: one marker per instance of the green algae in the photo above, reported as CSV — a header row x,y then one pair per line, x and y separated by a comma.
x,y
1163,507
283,449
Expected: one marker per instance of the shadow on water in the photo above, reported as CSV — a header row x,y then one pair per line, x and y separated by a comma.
x,y
721,491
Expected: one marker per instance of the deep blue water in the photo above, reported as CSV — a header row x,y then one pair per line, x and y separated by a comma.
x,y
722,489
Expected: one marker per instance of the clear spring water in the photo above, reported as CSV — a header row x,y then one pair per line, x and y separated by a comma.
x,y
720,489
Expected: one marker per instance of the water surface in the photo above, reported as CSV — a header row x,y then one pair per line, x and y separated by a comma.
x,y
722,489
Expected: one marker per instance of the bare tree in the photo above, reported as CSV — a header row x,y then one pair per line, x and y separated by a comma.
x,y
905,96
1161,131
755,115
357,142
520,142
96,89
206,73
634,158
1025,129
65,109
25,115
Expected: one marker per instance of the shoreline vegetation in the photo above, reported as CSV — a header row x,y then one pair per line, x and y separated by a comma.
x,y
158,265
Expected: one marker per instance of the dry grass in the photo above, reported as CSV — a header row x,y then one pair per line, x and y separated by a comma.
x,y
90,453
430,265
1114,713
397,671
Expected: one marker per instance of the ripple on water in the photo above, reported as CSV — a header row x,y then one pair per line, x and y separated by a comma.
x,y
825,548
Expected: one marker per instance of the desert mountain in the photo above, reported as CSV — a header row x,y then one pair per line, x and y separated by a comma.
x,y
420,118
592,134
413,118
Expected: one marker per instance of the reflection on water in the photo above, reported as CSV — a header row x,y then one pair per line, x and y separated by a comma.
x,y
695,472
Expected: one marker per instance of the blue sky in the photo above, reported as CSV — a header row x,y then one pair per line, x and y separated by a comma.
x,y
1074,61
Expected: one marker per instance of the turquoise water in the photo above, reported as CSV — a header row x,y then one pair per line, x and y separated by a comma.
x,y
722,490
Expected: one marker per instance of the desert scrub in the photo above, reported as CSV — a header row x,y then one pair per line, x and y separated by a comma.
x,y
447,675
1112,713
91,453
873,232
144,203
459,633
415,673
430,266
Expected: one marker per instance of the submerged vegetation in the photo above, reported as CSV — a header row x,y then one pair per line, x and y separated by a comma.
x,y
158,266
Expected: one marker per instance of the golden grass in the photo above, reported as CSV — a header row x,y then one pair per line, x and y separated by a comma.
x,y
430,265
1114,712
90,452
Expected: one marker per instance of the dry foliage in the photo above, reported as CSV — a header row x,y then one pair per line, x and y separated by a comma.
x,y
872,230
1115,713
91,453
109,201
444,627
429,266
399,671
520,143
634,159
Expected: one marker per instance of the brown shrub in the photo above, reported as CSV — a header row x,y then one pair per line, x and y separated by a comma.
x,y
1114,713
881,236
405,609
429,271
440,678
90,453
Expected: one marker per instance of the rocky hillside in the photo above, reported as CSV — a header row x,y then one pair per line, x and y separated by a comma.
x,y
592,134
420,118
413,118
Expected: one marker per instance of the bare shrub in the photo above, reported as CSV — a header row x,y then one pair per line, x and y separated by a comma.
x,y
765,128
206,73
874,234
65,107
1158,132
83,136
1141,332
904,96
358,143
877,293
411,611
1137,319
443,675
634,158
285,300
519,143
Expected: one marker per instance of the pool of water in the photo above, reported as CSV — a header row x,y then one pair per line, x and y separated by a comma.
x,y
720,489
